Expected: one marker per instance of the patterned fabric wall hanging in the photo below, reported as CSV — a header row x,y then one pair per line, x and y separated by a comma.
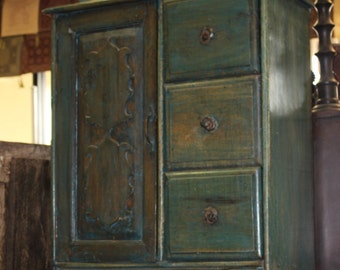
x,y
27,52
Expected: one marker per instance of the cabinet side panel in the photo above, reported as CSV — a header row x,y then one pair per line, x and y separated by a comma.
x,y
288,178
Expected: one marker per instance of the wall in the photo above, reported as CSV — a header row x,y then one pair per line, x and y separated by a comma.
x,y
16,109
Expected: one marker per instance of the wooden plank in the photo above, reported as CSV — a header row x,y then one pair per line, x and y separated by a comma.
x,y
2,222
9,152
326,131
27,241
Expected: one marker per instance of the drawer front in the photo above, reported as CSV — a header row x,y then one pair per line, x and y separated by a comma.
x,y
213,123
210,38
214,215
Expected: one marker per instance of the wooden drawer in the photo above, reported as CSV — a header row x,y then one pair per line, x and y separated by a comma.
x,y
213,123
210,38
214,215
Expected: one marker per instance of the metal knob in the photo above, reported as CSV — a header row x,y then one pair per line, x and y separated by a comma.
x,y
210,215
209,123
206,35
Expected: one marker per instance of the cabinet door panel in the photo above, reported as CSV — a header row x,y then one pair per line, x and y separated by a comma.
x,y
109,94
110,133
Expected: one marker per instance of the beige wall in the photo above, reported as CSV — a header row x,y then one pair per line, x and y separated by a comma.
x,y
16,109
336,15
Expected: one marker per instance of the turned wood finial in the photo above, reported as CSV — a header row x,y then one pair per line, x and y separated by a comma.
x,y
327,87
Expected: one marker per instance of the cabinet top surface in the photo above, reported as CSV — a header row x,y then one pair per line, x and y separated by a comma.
x,y
84,5
101,3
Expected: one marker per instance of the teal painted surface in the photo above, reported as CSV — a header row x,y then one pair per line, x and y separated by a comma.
x,y
110,129
309,3
268,115
288,194
203,266
233,47
84,5
234,106
232,197
104,151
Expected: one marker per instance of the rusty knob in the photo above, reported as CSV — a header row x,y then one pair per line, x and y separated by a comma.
x,y
210,215
206,35
209,123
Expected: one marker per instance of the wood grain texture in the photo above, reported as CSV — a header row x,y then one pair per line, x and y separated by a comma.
x,y
234,105
203,266
233,48
288,180
28,207
105,153
110,136
227,103
235,231
9,151
326,133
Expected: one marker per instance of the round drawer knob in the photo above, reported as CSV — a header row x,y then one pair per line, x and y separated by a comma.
x,y
210,215
209,123
206,35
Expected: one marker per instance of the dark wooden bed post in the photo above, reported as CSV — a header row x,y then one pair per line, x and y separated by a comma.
x,y
326,133
327,91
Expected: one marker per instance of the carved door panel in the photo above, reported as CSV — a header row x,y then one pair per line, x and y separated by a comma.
x,y
105,186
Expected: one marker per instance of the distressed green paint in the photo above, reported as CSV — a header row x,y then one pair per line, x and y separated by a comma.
x,y
255,82
104,148
234,230
287,182
233,48
203,266
232,104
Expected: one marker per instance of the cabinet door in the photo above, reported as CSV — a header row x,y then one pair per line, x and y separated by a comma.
x,y
104,134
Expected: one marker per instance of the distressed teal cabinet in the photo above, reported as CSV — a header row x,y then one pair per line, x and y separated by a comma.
x,y
182,135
